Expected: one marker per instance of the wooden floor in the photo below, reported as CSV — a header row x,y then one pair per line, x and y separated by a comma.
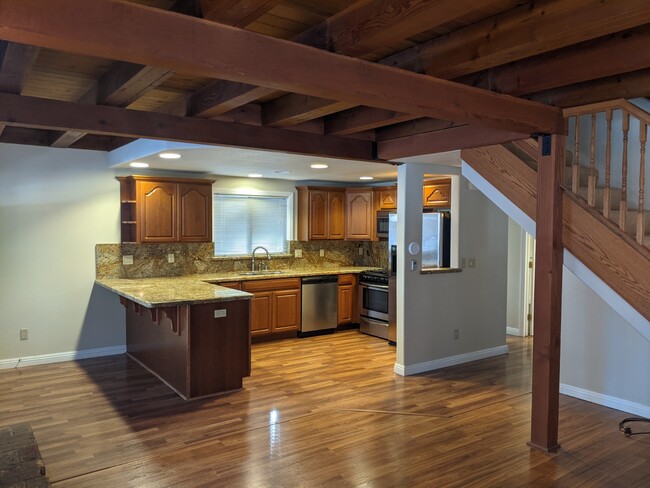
x,y
320,412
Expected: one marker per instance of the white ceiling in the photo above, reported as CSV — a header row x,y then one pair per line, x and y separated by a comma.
x,y
228,161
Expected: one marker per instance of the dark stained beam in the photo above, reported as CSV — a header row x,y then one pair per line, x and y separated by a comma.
x,y
627,85
206,49
223,96
23,135
360,119
412,127
40,113
2,128
618,53
238,13
359,29
460,137
16,61
548,295
520,33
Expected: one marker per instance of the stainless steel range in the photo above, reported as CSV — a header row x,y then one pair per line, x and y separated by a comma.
x,y
374,303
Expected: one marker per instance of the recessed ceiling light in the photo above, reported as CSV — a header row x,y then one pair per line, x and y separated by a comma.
x,y
319,166
366,178
139,164
168,155
255,175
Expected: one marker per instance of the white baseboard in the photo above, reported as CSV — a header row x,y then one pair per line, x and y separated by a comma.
x,y
402,370
513,331
61,356
606,400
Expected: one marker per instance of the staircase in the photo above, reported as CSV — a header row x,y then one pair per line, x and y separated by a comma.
x,y
606,224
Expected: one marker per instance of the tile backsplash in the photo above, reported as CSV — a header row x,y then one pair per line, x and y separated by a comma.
x,y
150,260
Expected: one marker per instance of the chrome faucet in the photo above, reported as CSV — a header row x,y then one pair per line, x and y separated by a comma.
x,y
268,256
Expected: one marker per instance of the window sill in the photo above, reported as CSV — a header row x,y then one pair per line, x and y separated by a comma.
x,y
230,257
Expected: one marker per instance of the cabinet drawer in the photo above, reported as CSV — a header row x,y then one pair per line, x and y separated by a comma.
x,y
274,284
347,279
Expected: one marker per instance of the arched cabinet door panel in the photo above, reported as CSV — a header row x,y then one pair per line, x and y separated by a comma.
x,y
157,211
195,212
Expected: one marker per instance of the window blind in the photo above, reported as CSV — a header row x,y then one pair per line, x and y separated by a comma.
x,y
242,223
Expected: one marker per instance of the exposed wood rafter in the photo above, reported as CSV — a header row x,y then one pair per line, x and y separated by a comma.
x,y
41,113
236,12
16,61
206,50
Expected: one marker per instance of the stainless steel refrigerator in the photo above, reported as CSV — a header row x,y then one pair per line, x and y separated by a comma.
x,y
436,227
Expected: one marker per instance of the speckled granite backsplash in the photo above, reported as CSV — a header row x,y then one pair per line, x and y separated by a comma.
x,y
150,260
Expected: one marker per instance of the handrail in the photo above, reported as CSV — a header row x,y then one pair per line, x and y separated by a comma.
x,y
624,161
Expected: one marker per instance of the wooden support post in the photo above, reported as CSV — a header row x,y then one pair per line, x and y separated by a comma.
x,y
548,295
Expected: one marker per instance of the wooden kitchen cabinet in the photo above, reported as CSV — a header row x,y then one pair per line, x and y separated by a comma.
x,y
359,215
276,306
386,198
437,193
156,210
347,299
321,213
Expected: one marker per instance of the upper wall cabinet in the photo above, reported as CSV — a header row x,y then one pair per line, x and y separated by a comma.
x,y
359,215
386,197
321,213
156,210
437,193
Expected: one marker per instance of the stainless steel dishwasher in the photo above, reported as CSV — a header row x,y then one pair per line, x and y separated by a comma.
x,y
319,304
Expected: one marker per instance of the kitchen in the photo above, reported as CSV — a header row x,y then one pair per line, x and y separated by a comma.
x,y
281,305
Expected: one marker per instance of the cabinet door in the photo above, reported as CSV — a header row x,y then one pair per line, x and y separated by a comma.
x,y
387,198
437,194
318,206
195,212
359,215
260,313
157,211
286,310
346,304
336,214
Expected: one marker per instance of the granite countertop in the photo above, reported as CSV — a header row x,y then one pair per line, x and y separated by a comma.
x,y
201,288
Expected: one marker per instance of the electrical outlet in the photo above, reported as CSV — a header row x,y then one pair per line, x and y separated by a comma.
x,y
127,259
322,253
170,258
360,251
220,313
456,334
24,334
472,263
297,253
463,263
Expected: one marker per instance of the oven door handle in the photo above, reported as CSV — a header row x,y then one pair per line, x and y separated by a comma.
x,y
375,287
375,322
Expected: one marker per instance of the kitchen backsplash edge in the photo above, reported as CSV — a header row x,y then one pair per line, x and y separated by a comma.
x,y
150,260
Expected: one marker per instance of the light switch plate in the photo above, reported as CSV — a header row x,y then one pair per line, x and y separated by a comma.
x,y
360,251
220,313
322,253
463,263
170,258
127,259
297,253
472,263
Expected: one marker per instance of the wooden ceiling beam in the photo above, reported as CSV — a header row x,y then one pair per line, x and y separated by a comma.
x,y
627,85
358,30
16,61
520,33
362,118
412,127
460,137
40,113
207,49
618,53
238,13
222,96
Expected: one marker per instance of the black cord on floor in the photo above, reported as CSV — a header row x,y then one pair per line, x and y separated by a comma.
x,y
627,430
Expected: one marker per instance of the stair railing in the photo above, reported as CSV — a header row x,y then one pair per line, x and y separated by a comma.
x,y
622,112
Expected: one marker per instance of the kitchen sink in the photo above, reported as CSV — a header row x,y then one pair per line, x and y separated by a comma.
x,y
263,272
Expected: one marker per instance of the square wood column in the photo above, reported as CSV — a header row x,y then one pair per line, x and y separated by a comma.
x,y
548,294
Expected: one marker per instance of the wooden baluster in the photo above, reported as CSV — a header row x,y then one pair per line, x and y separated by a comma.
x,y
608,163
575,173
591,181
623,207
640,220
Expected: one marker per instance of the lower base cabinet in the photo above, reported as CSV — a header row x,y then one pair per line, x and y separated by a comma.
x,y
276,305
347,294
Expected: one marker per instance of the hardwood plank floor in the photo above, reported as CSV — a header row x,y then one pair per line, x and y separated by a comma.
x,y
322,411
